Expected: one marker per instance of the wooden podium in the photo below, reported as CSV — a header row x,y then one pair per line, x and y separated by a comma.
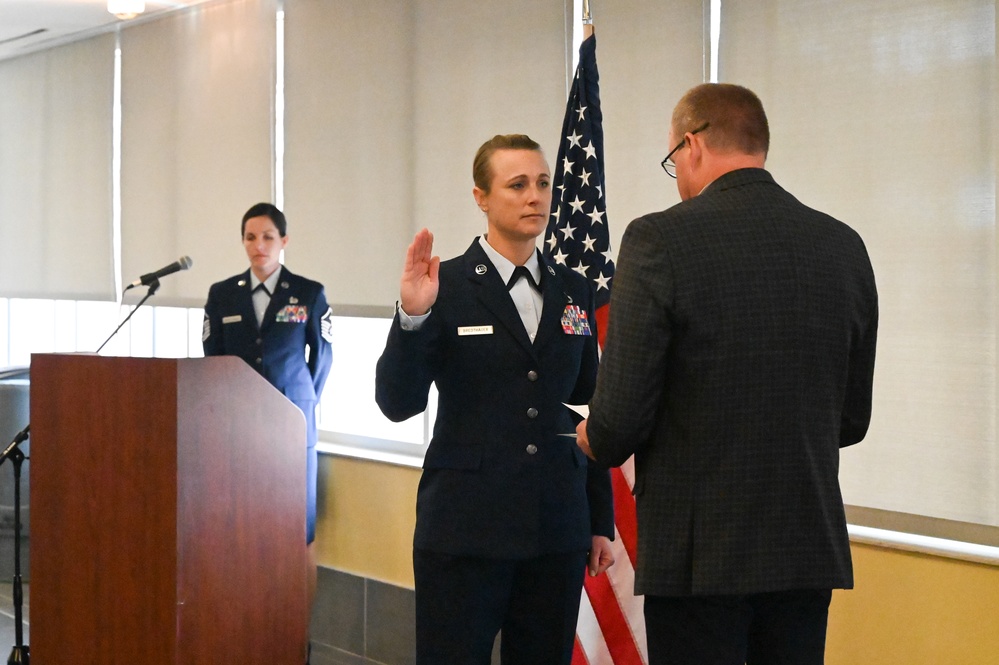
x,y
167,514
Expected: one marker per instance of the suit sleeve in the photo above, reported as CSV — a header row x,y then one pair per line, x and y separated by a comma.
x,y
319,337
601,499
856,417
211,334
630,385
405,370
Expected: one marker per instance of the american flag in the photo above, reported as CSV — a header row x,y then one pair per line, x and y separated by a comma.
x,y
611,629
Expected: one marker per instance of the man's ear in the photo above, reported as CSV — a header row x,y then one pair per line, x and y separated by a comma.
x,y
695,143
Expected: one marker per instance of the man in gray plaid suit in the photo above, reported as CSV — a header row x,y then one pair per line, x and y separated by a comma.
x,y
739,360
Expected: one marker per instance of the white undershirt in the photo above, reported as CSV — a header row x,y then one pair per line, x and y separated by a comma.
x,y
526,299
261,300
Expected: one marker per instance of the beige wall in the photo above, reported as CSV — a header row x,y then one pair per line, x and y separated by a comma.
x,y
906,609
367,512
915,609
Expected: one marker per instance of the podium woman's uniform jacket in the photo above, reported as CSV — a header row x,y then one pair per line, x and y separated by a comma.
x,y
297,318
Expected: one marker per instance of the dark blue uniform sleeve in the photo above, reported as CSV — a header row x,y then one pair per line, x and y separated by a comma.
x,y
405,370
211,335
319,337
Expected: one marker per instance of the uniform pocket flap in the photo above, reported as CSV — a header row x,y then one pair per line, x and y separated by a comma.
x,y
452,457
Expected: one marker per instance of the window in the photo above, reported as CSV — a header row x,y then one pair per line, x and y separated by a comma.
x,y
349,419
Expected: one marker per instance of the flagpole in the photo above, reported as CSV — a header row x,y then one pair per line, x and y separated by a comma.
x,y
611,628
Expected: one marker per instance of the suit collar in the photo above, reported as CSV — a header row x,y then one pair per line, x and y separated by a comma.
x,y
739,178
492,293
271,282
505,266
495,296
279,296
556,298
244,299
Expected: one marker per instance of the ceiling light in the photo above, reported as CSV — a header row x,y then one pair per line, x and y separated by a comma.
x,y
125,9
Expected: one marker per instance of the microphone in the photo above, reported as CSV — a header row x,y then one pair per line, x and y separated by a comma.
x,y
183,263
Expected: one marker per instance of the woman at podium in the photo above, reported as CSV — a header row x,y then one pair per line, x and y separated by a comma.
x,y
281,325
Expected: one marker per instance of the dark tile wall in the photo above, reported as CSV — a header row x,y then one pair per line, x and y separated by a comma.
x,y
357,621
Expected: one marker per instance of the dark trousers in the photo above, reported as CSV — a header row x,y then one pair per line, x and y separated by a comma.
x,y
780,628
463,602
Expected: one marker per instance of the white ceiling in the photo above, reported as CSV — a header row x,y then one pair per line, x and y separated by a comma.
x,y
30,25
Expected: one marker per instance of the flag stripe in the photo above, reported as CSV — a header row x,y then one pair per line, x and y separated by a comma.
x,y
603,314
613,624
622,581
592,650
624,514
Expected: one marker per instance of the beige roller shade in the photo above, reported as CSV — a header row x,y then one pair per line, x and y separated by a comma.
x,y
55,172
197,124
883,114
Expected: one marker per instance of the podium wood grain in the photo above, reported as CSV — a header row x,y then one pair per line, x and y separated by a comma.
x,y
168,514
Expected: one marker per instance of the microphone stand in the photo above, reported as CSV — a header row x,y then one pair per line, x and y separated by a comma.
x,y
153,287
20,654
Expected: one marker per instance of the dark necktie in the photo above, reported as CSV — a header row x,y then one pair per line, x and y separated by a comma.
x,y
522,271
262,287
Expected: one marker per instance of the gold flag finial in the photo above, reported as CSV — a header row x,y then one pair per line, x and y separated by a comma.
x,y
587,19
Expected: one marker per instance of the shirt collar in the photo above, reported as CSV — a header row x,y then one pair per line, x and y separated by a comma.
x,y
270,282
505,266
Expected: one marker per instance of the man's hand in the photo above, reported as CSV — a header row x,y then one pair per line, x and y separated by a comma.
x,y
582,441
419,283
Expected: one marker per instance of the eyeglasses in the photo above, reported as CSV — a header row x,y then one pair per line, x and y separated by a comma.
x,y
668,166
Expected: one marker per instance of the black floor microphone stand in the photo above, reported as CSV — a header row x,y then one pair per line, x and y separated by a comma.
x,y
19,655
20,652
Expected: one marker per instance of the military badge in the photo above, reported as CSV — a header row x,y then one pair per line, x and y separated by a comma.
x,y
575,321
293,314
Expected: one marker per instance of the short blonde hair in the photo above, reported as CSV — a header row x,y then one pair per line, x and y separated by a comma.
x,y
482,172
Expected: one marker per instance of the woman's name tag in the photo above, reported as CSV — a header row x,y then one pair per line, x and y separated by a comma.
x,y
474,330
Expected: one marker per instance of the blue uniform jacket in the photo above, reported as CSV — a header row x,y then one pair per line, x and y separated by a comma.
x,y
499,481
297,318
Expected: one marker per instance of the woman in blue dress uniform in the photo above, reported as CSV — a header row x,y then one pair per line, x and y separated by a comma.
x,y
280,324
509,514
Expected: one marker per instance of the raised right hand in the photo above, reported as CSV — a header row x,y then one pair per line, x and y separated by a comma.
x,y
419,283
